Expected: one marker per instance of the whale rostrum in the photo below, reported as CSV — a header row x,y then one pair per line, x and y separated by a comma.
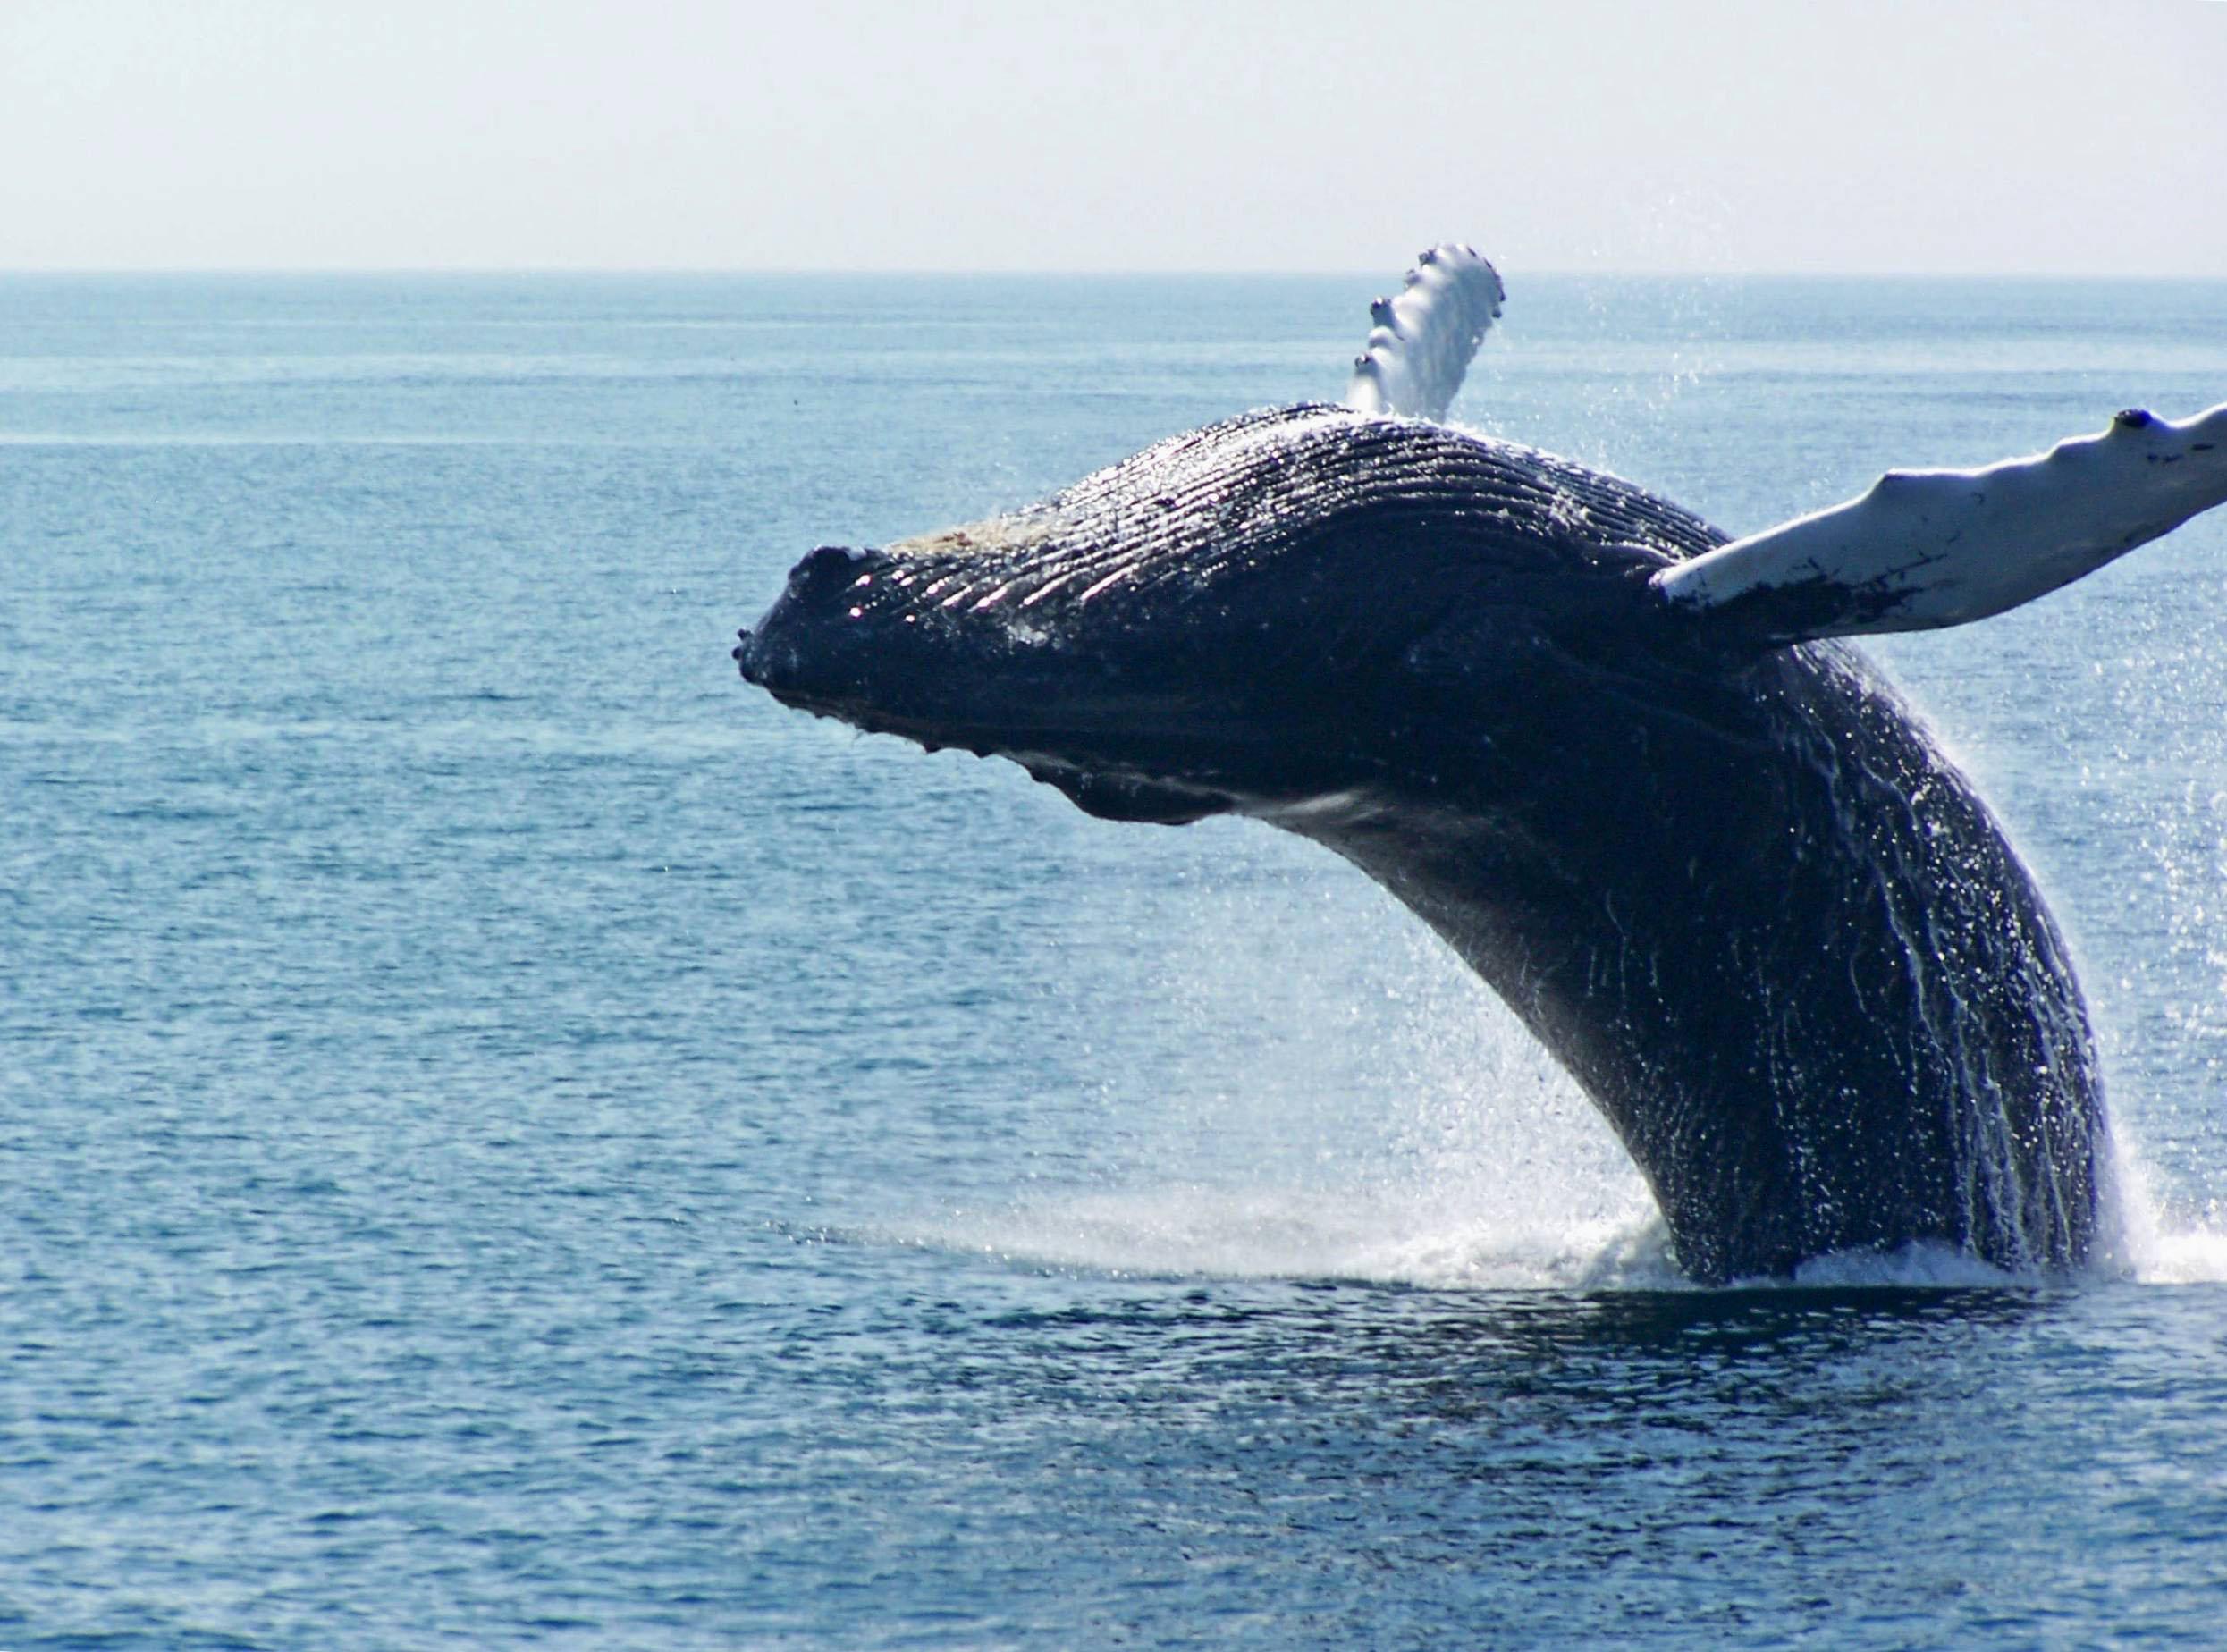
x,y
1609,754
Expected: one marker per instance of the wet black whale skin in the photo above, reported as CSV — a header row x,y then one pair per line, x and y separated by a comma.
x,y
1768,928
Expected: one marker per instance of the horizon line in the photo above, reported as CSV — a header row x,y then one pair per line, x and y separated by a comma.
x,y
1055,273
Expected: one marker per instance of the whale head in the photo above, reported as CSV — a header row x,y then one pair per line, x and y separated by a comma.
x,y
1253,617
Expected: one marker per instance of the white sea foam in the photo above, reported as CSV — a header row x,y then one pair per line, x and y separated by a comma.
x,y
1266,1233
2151,1242
1286,1234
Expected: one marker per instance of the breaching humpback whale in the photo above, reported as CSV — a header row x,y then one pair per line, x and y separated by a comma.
x,y
1612,756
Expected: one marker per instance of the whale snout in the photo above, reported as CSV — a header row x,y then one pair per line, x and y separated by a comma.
x,y
745,657
797,651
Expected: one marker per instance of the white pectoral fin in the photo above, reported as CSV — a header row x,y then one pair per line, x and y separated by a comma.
x,y
1931,548
1422,341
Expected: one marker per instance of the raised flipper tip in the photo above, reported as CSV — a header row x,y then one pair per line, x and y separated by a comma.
x,y
1422,340
1928,548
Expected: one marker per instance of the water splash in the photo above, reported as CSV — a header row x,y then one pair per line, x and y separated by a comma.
x,y
1291,1234
2154,1242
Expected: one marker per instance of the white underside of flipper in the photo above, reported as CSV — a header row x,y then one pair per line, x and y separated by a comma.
x,y
1423,340
1931,548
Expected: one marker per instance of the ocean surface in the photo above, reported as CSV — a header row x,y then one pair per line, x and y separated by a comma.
x,y
509,1137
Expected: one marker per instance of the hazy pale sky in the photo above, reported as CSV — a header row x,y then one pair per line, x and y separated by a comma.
x,y
2010,135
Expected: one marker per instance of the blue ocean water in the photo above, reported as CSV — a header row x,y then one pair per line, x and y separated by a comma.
x,y
507,1136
